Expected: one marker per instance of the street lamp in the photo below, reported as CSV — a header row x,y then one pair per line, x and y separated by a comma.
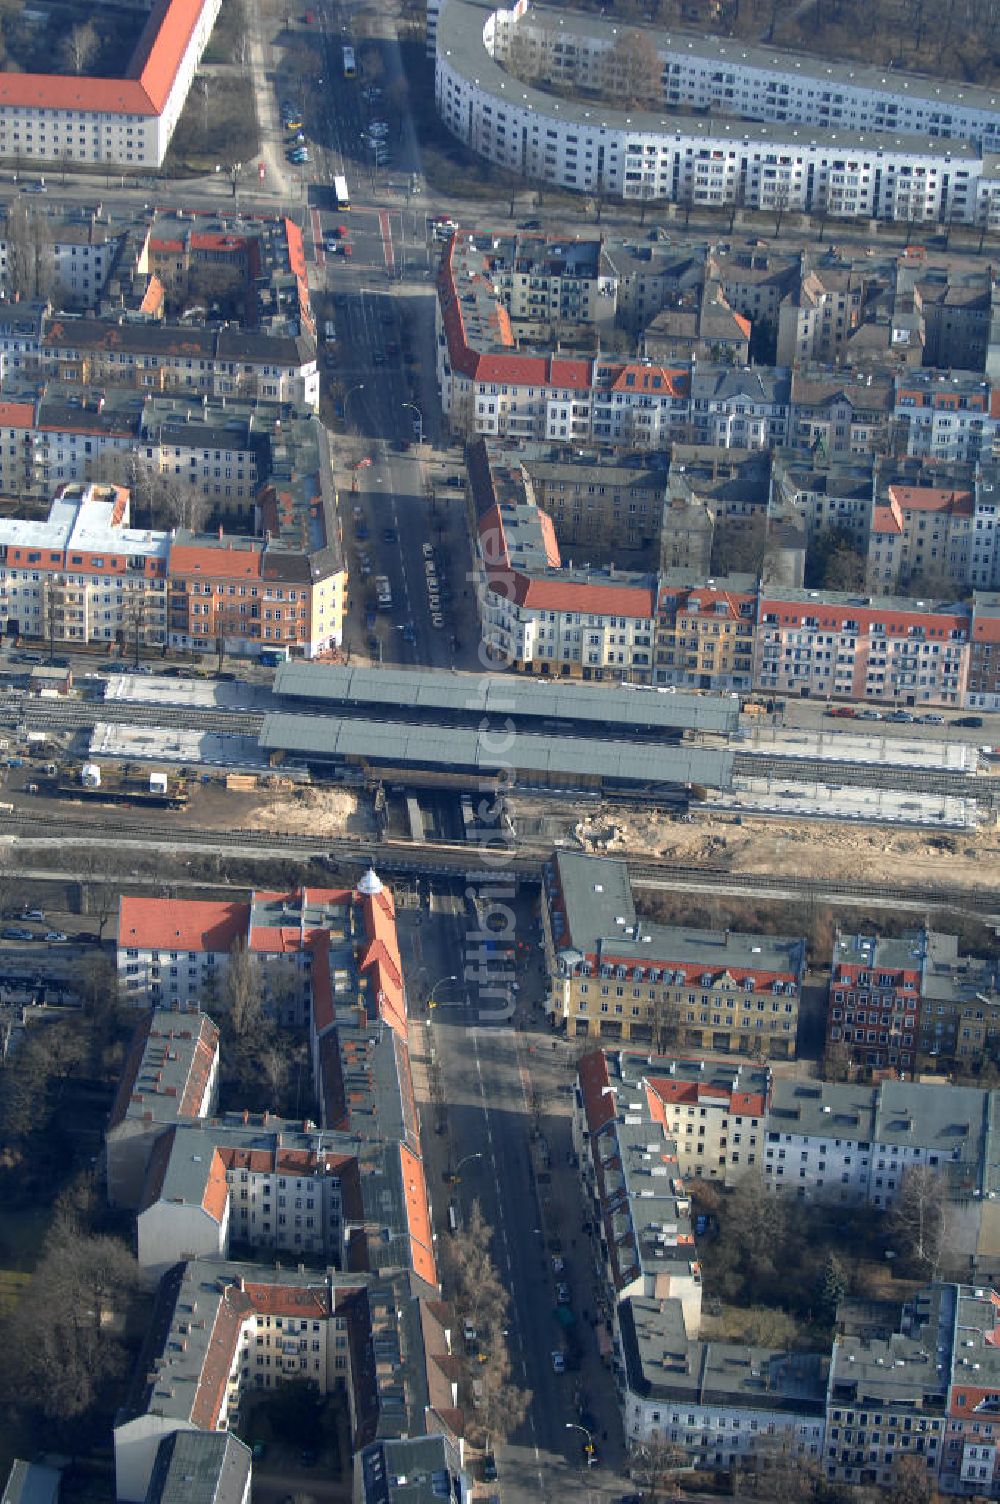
x,y
439,983
420,420
589,1449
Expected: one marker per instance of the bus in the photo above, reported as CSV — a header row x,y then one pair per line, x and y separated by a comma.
x,y
340,193
350,67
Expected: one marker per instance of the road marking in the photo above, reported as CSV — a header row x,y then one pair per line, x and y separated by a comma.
x,y
317,235
385,230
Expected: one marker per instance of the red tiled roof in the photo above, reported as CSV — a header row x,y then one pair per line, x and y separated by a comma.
x,y
17,414
932,499
598,1104
985,628
596,600
382,957
216,1192
225,563
884,520
144,91
193,924
653,379
230,1314
551,543
418,1216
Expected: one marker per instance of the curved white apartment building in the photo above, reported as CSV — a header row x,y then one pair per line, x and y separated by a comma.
x,y
790,132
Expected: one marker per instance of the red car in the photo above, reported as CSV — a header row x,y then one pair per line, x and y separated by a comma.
x,y
310,18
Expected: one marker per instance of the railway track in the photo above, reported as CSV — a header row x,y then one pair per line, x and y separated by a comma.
x,y
958,783
434,859
71,716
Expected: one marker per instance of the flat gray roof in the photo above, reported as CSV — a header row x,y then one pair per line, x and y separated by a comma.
x,y
398,744
503,695
31,1483
200,1467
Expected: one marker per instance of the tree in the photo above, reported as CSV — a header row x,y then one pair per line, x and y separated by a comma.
x,y
739,544
653,1465
918,1217
30,263
634,72
100,888
831,1291
833,562
911,1483
80,47
243,990
70,1353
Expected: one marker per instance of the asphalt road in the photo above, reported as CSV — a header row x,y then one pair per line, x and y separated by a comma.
x,y
484,1064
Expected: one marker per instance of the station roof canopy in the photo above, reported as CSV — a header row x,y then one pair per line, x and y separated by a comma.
x,y
330,739
501,695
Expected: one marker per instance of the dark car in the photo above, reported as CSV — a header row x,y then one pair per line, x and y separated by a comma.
x,y
971,722
530,224
490,1474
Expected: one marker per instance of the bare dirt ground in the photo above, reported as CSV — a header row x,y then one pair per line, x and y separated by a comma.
x,y
967,860
317,812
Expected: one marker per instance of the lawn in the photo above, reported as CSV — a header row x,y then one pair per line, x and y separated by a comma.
x,y
217,127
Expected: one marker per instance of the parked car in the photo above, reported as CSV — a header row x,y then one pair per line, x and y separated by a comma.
x,y
869,715
901,717
971,722
932,720
33,914
558,1362
563,1295
490,1473
18,932
54,937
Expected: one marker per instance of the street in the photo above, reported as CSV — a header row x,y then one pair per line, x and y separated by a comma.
x,y
493,1074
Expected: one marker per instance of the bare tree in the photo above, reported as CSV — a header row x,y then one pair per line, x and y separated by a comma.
x,y
244,992
80,47
101,886
30,263
654,1464
918,1217
69,1351
634,72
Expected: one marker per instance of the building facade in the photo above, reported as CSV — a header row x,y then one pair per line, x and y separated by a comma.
x,y
613,975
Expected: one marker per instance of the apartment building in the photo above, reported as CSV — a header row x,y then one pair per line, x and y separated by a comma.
x,y
125,123
970,1452
740,409
592,500
705,633
912,1003
889,1391
875,999
632,1185
170,1076
536,615
984,653
613,975
817,319
84,575
946,417
861,648
220,1329
715,1113
835,417
709,1400
193,359
825,493
758,155
175,952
